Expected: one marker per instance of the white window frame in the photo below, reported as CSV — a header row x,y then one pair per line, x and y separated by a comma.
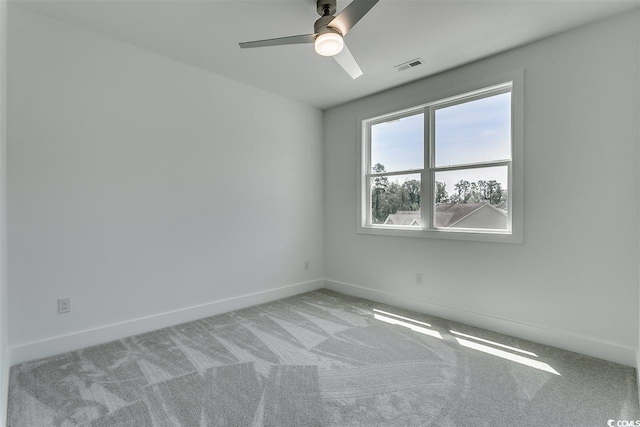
x,y
513,83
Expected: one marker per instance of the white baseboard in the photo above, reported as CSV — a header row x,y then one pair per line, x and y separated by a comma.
x,y
77,340
561,339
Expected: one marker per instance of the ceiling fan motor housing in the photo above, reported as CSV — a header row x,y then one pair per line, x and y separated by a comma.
x,y
320,27
326,6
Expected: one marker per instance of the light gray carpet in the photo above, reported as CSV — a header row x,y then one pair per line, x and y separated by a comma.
x,y
321,359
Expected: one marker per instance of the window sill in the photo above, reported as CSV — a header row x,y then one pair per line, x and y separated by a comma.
x,y
463,234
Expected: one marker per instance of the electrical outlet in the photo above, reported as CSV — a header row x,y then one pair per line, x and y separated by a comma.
x,y
306,265
64,305
419,279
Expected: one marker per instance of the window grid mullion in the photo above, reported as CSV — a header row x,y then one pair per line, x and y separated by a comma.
x,y
432,162
427,186
394,173
479,165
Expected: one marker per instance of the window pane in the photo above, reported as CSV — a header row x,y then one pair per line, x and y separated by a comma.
x,y
398,145
472,198
395,200
475,131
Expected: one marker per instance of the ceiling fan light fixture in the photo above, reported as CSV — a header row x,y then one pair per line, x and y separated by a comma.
x,y
329,44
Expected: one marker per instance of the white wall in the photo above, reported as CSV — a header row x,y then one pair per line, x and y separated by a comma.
x,y
139,185
574,281
4,362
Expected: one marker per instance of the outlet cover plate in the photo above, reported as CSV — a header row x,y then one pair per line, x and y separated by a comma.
x,y
64,305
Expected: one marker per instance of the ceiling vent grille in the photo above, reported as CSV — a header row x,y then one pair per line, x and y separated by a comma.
x,y
409,64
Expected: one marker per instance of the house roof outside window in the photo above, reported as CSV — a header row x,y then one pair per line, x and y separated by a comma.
x,y
465,215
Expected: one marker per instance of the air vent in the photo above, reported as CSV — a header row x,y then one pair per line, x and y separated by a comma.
x,y
410,64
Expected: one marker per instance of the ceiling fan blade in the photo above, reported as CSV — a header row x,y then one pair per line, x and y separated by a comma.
x,y
348,62
306,38
351,15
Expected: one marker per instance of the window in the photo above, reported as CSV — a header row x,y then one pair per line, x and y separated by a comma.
x,y
447,168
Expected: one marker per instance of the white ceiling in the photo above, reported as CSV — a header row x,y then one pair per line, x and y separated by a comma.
x,y
445,34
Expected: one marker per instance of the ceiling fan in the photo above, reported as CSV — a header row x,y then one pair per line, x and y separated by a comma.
x,y
328,33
